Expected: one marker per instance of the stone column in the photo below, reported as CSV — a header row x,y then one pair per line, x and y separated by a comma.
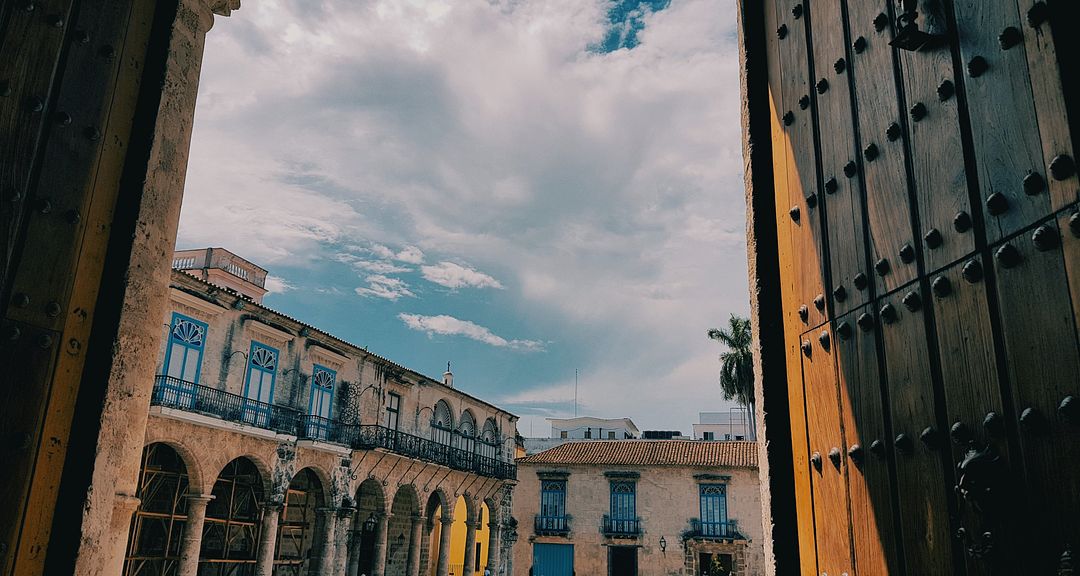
x,y
412,565
193,530
264,562
341,540
425,547
322,549
378,567
149,219
494,547
470,547
355,539
443,568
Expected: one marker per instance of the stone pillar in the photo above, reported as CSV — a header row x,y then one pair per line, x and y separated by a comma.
x,y
355,538
470,548
322,549
264,561
382,530
412,565
443,568
425,547
341,540
494,547
193,530
129,360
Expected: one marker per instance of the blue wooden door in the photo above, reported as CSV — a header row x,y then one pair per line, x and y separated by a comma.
x,y
553,560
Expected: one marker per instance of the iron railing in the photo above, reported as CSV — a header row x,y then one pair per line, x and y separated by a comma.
x,y
551,525
172,392
368,437
728,530
621,526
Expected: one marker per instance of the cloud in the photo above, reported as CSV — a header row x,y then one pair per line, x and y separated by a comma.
x,y
277,284
601,189
457,276
380,286
449,326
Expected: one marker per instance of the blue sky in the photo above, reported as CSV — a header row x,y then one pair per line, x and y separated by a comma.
x,y
521,187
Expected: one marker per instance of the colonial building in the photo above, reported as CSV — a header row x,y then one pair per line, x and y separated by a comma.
x,y
275,448
731,425
640,507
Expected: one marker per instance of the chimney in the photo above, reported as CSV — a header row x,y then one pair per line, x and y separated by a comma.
x,y
448,377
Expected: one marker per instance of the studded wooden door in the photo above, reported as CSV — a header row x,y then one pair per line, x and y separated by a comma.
x,y
928,246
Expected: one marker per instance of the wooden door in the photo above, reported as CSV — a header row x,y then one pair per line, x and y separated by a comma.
x,y
926,242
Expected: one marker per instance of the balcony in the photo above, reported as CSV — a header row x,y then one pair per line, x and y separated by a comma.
x,y
714,530
190,397
551,525
621,527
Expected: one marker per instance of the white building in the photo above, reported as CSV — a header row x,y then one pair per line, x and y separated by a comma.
x,y
589,428
731,425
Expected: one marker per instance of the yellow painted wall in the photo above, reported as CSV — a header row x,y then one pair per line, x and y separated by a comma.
x,y
457,539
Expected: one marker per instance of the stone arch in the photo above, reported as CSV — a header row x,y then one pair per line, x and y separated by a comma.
x,y
219,464
494,506
437,499
153,539
191,462
370,510
472,507
437,503
325,480
404,510
233,518
296,527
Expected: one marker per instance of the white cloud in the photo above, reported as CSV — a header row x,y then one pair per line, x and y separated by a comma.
x,y
456,276
277,284
605,189
380,286
449,326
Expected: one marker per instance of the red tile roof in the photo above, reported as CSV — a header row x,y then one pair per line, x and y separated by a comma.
x,y
650,453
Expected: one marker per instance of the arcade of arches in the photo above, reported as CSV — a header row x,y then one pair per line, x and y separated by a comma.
x,y
247,520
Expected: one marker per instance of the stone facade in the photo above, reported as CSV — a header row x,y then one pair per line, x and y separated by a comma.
x,y
343,492
667,503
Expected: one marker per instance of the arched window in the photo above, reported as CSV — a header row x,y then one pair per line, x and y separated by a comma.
x,y
262,371
183,361
488,446
322,396
467,432
442,423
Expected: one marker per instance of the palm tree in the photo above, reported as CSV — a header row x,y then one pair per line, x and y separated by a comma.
x,y
737,365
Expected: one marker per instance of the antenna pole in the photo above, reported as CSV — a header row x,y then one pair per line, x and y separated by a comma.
x,y
575,392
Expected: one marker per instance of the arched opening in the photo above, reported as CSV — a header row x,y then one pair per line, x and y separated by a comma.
x,y
442,423
488,447
370,504
296,528
233,518
403,512
459,535
158,525
429,544
466,439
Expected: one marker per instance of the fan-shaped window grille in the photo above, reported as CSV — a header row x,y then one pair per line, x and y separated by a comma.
x,y
442,423
489,440
183,357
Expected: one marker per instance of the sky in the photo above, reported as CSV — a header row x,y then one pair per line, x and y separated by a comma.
x,y
524,188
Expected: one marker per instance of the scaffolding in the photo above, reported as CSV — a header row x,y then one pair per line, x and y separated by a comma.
x,y
233,519
157,528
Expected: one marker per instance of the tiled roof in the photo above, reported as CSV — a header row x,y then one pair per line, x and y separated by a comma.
x,y
650,453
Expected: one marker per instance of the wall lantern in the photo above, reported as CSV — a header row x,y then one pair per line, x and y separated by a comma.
x,y
663,544
369,524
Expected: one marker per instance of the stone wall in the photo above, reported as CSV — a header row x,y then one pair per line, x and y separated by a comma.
x,y
667,499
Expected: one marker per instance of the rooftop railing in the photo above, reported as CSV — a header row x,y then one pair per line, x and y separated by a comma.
x,y
179,394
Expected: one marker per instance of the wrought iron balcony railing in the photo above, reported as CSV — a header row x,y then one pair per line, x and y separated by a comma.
x,y
172,392
551,525
728,530
625,527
